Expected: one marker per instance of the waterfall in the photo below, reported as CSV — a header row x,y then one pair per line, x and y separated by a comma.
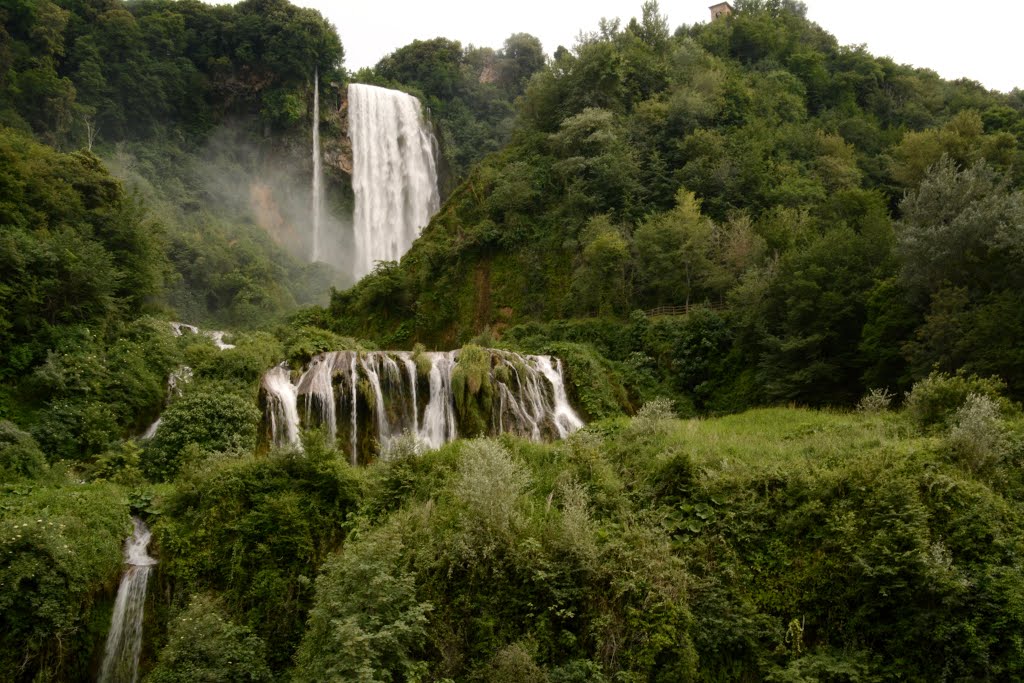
x,y
124,641
282,409
318,174
178,378
439,419
366,400
179,329
565,418
394,176
183,374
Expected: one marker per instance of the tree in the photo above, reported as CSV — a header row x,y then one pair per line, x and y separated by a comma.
x,y
205,646
207,419
961,227
519,58
674,253
599,283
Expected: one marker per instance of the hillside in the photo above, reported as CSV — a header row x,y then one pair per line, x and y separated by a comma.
x,y
849,223
708,368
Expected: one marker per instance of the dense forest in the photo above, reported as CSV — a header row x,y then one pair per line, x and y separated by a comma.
x,y
783,278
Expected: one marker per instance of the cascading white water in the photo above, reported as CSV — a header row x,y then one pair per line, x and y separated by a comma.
x,y
282,408
216,335
318,393
439,418
178,378
382,402
124,641
183,374
566,419
318,173
394,173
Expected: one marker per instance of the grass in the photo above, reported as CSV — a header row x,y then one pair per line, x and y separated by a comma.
x,y
766,438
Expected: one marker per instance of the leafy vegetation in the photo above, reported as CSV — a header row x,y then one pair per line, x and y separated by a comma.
x,y
695,223
851,221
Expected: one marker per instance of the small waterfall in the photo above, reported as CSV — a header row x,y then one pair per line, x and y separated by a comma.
x,y
217,336
439,419
410,368
384,394
183,375
181,328
316,387
394,174
354,382
318,174
218,340
383,428
124,641
282,408
175,381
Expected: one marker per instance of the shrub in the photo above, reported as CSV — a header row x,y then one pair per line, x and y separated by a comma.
x,y
489,484
255,532
935,398
976,437
20,456
60,550
875,401
204,645
209,417
366,623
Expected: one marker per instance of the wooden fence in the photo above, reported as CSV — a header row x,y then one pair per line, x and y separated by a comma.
x,y
683,309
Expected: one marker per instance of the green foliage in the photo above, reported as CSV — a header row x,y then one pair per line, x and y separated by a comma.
x,y
255,532
366,623
976,433
208,418
20,457
468,91
599,284
934,399
673,253
795,152
60,553
95,391
75,250
473,390
593,383
203,644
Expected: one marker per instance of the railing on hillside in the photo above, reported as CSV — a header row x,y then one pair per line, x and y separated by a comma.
x,y
684,308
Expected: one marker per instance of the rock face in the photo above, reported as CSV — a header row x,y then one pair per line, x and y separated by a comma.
x,y
337,146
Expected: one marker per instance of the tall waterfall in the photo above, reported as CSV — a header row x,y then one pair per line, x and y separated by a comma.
x,y
124,641
394,176
318,172
365,401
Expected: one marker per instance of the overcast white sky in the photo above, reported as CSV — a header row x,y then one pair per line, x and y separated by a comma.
x,y
956,39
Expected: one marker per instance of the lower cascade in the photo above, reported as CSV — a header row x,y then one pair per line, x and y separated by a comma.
x,y
365,401
124,641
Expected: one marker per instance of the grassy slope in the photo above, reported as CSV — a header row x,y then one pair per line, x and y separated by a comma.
x,y
807,545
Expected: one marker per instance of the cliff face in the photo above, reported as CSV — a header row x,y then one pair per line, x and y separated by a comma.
x,y
337,146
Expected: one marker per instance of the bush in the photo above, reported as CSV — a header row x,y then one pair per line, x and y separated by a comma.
x,y
934,399
20,456
256,532
489,484
209,418
367,623
875,401
204,645
60,553
976,437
